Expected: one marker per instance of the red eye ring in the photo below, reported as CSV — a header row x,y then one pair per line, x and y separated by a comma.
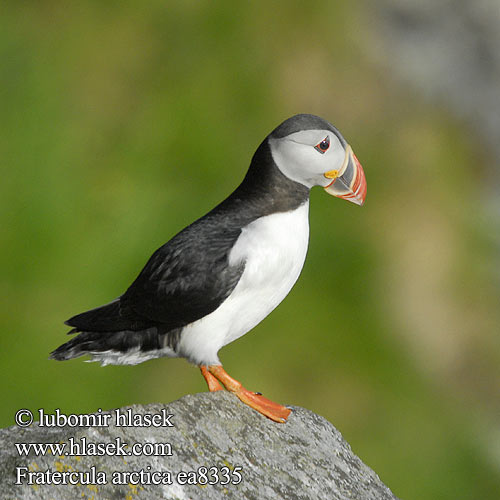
x,y
323,146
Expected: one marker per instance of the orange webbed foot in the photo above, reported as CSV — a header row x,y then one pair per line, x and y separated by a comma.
x,y
274,411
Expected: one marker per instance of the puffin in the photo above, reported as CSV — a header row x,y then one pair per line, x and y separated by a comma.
x,y
224,273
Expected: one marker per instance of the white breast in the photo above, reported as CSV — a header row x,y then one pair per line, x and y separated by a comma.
x,y
273,248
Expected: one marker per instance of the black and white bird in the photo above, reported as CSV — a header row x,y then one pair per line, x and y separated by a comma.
x,y
223,274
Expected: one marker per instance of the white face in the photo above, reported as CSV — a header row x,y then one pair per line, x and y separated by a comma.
x,y
307,155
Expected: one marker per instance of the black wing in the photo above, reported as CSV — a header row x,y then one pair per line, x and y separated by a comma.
x,y
187,278
184,280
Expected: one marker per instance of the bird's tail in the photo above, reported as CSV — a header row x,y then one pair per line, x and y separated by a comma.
x,y
121,347
112,335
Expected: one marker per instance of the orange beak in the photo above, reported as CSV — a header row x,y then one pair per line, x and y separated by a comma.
x,y
349,182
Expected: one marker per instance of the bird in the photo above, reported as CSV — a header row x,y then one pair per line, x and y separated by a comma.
x,y
223,274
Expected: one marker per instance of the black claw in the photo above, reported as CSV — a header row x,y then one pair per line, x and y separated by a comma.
x,y
258,393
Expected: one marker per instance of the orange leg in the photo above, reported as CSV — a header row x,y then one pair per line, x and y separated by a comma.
x,y
212,382
255,400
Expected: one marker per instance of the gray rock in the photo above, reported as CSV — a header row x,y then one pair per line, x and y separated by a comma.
x,y
212,437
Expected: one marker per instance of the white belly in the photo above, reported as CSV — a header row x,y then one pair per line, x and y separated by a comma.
x,y
274,249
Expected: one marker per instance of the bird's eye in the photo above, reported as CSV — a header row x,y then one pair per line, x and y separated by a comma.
x,y
323,146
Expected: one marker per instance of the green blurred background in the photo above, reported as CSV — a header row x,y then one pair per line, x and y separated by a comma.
x,y
121,122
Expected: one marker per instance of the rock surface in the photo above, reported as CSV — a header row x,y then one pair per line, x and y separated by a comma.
x,y
212,438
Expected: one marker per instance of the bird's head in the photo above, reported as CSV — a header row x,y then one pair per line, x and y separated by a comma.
x,y
311,151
